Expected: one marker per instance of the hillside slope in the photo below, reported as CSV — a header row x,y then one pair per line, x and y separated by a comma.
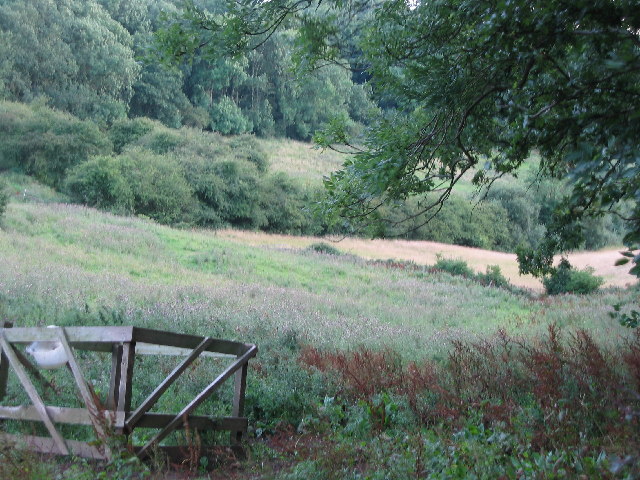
x,y
70,265
61,259
426,253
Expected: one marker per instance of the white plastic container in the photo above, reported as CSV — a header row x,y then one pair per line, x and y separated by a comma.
x,y
48,355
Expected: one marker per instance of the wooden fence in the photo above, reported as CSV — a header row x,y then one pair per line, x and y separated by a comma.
x,y
114,414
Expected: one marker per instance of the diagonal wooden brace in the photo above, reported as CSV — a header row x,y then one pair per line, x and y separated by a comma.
x,y
94,412
33,394
201,397
160,389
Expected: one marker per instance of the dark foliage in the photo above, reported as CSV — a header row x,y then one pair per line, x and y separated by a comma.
x,y
4,197
557,392
45,143
566,279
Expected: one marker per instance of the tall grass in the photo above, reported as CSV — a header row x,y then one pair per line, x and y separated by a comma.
x,y
64,258
70,265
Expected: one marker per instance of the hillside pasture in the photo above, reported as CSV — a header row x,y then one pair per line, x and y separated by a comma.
x,y
359,362
427,253
301,160
59,259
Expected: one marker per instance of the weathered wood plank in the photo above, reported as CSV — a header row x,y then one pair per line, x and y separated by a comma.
x,y
71,416
4,367
97,419
80,416
171,339
32,392
201,397
151,400
237,410
48,445
126,377
79,337
200,422
152,349
114,379
4,374
100,338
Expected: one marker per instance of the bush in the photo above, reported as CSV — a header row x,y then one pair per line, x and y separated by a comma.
x,y
493,277
554,391
231,183
565,279
454,267
42,142
248,148
158,139
522,213
284,202
460,222
124,132
137,181
227,118
101,183
229,192
4,197
325,248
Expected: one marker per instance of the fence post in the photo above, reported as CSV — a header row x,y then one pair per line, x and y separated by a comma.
x,y
240,387
4,367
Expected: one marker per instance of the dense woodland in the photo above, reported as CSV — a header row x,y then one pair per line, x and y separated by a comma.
x,y
93,59
90,110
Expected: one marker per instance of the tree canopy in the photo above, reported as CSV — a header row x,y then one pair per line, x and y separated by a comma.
x,y
70,52
478,86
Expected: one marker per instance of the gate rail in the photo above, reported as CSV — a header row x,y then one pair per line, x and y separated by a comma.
x,y
116,414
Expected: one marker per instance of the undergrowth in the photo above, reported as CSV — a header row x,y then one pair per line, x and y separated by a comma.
x,y
559,400
555,406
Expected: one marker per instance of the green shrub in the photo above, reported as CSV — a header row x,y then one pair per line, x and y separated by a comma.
x,y
163,142
160,190
101,183
136,181
227,118
284,202
195,117
4,197
242,189
460,222
565,279
159,139
454,267
44,143
229,191
325,248
522,213
248,148
125,132
493,277
285,391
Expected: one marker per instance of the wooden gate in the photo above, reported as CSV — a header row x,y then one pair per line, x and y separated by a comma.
x,y
113,414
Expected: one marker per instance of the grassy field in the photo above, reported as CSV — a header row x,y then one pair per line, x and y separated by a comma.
x,y
427,253
70,265
63,258
301,160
